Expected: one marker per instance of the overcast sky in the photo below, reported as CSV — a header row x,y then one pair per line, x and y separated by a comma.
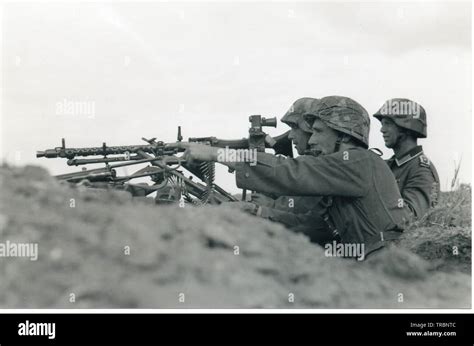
x,y
145,68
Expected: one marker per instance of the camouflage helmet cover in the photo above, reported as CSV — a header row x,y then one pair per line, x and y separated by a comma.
x,y
344,115
406,114
295,114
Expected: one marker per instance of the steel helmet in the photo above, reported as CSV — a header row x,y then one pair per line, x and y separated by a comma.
x,y
296,112
406,114
344,115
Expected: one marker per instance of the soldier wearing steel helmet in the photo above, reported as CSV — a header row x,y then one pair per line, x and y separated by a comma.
x,y
299,213
364,205
403,122
300,132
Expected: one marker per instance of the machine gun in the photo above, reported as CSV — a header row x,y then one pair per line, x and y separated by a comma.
x,y
168,180
165,168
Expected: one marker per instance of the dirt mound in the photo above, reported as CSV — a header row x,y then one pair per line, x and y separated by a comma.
x,y
443,237
447,249
102,249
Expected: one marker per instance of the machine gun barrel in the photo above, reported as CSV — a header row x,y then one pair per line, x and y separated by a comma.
x,y
156,148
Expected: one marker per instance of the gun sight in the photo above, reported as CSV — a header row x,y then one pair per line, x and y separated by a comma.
x,y
257,121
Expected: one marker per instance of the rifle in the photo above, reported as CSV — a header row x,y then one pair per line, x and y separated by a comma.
x,y
169,182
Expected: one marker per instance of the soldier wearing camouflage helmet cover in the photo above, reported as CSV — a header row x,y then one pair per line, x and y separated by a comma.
x,y
403,122
300,131
364,205
298,213
348,120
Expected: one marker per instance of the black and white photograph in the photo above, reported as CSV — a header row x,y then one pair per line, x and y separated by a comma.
x,y
210,155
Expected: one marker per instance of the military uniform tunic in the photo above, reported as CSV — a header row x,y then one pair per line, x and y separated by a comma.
x,y
417,179
364,197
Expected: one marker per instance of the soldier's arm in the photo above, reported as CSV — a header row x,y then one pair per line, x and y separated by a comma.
x,y
347,173
310,224
340,174
263,200
287,218
284,203
300,223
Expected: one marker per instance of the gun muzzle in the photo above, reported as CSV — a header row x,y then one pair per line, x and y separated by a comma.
x,y
49,153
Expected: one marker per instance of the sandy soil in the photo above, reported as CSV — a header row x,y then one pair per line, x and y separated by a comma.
x,y
187,258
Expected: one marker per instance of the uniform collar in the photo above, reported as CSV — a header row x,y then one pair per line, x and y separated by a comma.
x,y
415,152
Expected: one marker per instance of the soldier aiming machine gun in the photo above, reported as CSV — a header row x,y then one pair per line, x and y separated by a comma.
x,y
257,139
168,180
